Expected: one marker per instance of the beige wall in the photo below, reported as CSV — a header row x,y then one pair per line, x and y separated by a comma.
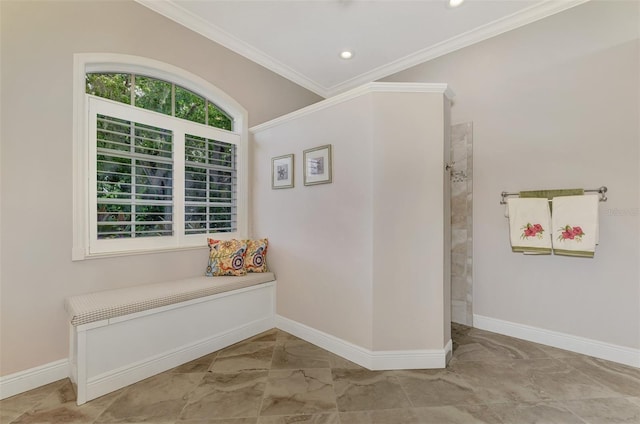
x,y
38,43
555,105
362,258
408,220
320,236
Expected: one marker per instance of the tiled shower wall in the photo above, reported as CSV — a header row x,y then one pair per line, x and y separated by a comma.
x,y
461,223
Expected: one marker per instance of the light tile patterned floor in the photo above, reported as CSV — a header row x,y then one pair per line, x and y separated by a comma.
x,y
276,378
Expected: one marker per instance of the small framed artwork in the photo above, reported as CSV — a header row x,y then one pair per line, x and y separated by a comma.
x,y
282,172
317,165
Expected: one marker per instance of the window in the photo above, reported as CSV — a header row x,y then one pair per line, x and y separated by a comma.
x,y
164,165
134,179
157,95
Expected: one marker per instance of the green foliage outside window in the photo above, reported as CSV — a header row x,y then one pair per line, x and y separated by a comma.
x,y
190,106
153,94
218,119
159,96
115,87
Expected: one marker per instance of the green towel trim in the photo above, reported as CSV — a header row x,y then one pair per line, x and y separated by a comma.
x,y
577,253
538,250
550,194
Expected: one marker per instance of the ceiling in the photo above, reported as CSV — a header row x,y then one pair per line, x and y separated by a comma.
x,y
301,40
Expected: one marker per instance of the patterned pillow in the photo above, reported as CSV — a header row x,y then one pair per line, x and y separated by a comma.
x,y
226,257
256,258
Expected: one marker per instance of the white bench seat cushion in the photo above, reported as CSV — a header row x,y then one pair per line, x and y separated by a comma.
x,y
98,306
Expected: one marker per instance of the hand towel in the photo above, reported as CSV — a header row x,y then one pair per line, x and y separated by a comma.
x,y
575,225
529,225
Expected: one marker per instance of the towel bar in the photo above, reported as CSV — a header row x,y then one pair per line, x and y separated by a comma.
x,y
602,191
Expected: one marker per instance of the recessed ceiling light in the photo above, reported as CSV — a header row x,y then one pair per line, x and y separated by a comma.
x,y
455,3
346,54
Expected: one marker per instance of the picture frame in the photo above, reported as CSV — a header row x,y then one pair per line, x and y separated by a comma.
x,y
317,165
282,172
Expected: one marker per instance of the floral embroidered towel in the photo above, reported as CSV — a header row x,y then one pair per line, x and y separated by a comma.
x,y
575,225
529,224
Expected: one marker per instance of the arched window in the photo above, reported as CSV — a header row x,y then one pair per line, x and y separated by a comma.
x,y
159,96
160,158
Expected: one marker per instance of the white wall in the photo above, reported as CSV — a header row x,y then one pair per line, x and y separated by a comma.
x,y
555,104
38,42
361,259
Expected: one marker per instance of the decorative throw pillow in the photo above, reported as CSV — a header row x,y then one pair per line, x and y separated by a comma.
x,y
256,258
226,257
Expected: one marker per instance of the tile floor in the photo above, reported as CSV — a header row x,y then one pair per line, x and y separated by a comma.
x,y
276,378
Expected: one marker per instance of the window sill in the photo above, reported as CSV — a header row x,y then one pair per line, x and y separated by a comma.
x,y
79,254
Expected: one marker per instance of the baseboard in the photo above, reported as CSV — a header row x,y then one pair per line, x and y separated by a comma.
x,y
112,380
347,350
621,354
411,359
13,384
373,360
33,378
26,380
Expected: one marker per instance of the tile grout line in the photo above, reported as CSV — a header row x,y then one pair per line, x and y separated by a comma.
x,y
195,385
406,394
599,383
124,392
266,385
568,408
335,394
58,384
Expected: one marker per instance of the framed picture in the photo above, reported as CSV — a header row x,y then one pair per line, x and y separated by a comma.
x,y
282,172
317,165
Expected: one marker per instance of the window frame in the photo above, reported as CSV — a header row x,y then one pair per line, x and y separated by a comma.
x,y
82,166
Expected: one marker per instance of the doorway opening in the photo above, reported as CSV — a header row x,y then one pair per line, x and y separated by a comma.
x,y
461,172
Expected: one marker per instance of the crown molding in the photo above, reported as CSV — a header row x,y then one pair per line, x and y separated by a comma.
x,y
495,28
372,87
171,10
176,13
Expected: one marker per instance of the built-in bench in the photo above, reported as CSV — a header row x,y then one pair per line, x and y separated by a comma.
x,y
121,336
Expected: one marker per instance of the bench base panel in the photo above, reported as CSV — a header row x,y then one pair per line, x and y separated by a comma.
x,y
111,354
